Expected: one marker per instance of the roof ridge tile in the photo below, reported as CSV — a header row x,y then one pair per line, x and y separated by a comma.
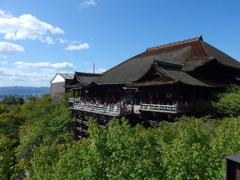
x,y
175,43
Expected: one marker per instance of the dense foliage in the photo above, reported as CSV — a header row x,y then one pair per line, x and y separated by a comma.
x,y
228,103
220,104
36,140
187,149
23,128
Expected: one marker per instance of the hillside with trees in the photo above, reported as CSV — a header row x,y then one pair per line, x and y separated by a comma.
x,y
24,90
36,142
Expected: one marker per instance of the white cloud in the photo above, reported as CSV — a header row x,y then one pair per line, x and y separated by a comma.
x,y
75,42
100,70
5,14
3,62
28,74
47,40
26,26
44,65
88,3
78,47
62,41
10,77
9,49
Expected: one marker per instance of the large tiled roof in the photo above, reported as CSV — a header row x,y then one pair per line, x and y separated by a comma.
x,y
191,54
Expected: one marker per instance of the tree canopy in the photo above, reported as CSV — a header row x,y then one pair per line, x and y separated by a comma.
x,y
187,149
228,103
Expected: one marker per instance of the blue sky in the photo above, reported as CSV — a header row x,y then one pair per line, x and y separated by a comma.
x,y
41,38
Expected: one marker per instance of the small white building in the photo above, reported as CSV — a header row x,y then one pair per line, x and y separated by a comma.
x,y
59,82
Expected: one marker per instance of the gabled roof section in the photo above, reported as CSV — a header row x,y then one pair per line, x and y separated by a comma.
x,y
169,74
63,76
84,79
190,54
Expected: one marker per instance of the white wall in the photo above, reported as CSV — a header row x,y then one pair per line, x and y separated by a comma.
x,y
58,79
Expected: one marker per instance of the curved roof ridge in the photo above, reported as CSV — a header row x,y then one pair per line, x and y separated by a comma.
x,y
198,38
87,74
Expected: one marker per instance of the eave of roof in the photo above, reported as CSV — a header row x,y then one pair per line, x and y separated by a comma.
x,y
170,82
221,57
83,79
155,82
187,79
73,85
172,75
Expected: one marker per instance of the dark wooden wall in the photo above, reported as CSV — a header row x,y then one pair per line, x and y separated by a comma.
x,y
233,168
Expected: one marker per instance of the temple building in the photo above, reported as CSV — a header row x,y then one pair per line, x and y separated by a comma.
x,y
162,82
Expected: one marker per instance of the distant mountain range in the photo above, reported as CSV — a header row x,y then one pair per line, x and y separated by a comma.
x,y
24,90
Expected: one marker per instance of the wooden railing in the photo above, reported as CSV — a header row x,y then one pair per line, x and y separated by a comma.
x,y
103,109
118,109
73,100
166,108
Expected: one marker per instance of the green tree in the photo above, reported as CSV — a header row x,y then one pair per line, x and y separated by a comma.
x,y
10,125
43,119
10,100
3,109
70,161
32,98
132,152
20,100
63,99
6,158
226,142
44,158
228,103
187,155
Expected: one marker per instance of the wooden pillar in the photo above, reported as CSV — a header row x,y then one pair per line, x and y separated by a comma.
x,y
140,96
